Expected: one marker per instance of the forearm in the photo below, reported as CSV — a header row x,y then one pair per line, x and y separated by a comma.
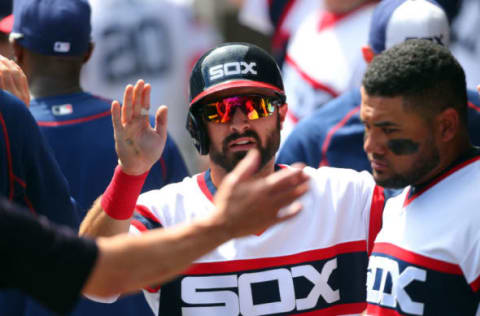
x,y
127,263
97,223
111,213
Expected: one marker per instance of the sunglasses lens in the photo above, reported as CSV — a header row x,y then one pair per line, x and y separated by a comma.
x,y
253,106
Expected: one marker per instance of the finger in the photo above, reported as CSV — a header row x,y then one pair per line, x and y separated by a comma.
x,y
289,211
145,102
161,119
137,98
116,116
285,197
478,88
127,104
245,168
285,179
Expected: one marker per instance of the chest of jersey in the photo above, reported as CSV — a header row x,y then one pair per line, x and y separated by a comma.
x,y
317,261
425,259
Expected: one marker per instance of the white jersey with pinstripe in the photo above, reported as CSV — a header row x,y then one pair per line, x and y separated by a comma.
x,y
314,262
426,258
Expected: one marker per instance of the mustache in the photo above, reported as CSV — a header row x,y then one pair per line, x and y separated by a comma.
x,y
377,157
235,136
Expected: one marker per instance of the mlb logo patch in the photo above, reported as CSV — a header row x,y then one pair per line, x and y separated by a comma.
x,y
61,47
63,109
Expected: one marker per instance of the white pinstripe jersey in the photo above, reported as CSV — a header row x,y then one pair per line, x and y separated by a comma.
x,y
426,258
316,261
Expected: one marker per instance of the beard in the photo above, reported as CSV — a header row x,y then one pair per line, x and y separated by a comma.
x,y
422,166
229,161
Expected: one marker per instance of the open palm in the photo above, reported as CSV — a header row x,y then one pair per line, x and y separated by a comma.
x,y
138,144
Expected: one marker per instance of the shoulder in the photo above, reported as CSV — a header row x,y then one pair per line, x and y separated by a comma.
x,y
335,178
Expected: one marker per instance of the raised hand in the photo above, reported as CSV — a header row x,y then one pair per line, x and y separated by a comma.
x,y
247,204
138,145
13,80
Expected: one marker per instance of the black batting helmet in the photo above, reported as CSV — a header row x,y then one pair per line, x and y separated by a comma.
x,y
230,67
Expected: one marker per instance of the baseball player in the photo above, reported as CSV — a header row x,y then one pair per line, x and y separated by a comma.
x,y
52,42
314,263
29,174
333,135
426,258
324,58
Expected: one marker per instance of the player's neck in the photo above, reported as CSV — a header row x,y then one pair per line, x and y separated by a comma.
x,y
218,173
45,86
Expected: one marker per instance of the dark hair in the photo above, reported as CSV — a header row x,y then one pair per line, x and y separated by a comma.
x,y
424,73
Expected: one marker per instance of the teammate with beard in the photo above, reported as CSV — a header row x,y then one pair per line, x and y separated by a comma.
x,y
314,263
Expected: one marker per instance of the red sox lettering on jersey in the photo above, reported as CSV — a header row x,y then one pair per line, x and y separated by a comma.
x,y
315,262
426,258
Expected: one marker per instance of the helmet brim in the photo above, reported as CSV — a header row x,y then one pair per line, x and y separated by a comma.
x,y
237,87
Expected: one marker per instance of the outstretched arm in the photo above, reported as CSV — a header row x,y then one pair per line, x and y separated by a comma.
x,y
138,146
244,206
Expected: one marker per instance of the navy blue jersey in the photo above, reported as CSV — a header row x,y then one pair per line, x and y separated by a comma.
x,y
30,176
333,134
79,129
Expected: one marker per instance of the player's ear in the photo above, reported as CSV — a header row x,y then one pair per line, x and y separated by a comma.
x,y
368,54
282,112
89,52
448,122
18,52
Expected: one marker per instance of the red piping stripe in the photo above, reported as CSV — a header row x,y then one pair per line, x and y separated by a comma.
x,y
378,310
352,308
11,176
473,106
75,121
145,212
139,225
315,84
475,285
329,19
331,132
164,169
203,186
437,180
376,212
414,258
262,263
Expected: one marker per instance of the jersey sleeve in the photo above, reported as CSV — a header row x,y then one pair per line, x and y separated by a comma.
x,y
35,174
50,263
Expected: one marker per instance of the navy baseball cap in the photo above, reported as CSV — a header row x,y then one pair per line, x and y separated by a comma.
x,y
395,21
52,27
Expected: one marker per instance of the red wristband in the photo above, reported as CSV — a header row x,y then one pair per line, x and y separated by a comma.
x,y
121,195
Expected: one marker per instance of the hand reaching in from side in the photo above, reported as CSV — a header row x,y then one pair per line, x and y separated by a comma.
x,y
247,204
